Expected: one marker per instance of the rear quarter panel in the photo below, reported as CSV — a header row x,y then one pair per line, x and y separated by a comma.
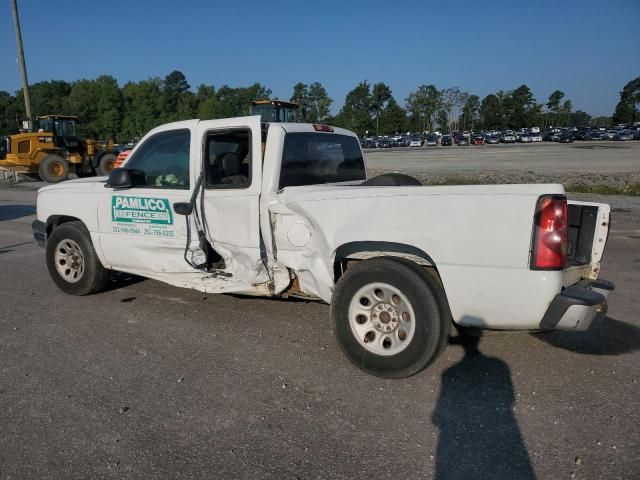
x,y
478,237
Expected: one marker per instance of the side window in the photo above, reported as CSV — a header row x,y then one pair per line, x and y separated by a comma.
x,y
162,161
227,159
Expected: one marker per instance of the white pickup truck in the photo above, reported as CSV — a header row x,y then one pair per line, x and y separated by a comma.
x,y
283,209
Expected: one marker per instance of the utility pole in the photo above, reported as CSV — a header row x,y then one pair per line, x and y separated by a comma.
x,y
23,68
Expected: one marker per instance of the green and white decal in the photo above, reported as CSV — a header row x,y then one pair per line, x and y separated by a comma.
x,y
128,213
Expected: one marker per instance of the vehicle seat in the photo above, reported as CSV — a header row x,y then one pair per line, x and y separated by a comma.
x,y
232,170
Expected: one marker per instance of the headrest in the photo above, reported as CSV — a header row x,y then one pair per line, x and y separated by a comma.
x,y
230,164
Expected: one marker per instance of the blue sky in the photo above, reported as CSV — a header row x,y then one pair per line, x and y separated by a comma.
x,y
589,49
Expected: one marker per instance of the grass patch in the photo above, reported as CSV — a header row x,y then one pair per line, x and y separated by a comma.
x,y
601,189
457,181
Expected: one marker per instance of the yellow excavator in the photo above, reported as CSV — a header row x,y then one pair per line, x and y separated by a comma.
x,y
53,150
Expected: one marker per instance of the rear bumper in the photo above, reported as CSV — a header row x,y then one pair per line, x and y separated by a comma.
x,y
578,306
39,232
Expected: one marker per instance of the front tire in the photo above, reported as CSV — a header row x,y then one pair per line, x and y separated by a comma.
x,y
388,317
53,169
72,261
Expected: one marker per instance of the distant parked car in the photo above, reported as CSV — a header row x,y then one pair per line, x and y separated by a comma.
x,y
508,137
432,140
461,140
565,138
385,143
446,141
536,137
624,135
415,142
524,138
593,135
478,140
491,140
609,135
551,136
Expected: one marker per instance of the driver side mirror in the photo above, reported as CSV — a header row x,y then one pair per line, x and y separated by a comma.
x,y
119,178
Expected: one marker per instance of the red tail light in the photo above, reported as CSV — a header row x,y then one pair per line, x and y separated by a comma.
x,y
322,128
550,233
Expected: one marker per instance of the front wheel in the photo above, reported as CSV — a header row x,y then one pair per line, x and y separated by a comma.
x,y
388,317
53,169
72,262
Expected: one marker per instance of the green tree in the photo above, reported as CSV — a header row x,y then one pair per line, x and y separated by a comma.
x,y
99,105
393,118
10,114
46,98
580,119
470,118
423,105
565,113
452,100
521,108
380,96
627,108
319,103
143,108
301,97
553,107
236,102
206,101
176,101
601,121
442,120
491,112
356,112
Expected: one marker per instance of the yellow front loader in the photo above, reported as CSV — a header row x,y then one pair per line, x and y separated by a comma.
x,y
54,151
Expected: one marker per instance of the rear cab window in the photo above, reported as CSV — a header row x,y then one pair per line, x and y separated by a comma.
x,y
310,158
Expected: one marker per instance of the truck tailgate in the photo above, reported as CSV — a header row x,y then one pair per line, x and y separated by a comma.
x,y
588,232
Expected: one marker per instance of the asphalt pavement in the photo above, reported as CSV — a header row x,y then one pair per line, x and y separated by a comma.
x,y
152,381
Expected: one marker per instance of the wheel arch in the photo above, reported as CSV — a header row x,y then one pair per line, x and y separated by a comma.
x,y
363,250
56,220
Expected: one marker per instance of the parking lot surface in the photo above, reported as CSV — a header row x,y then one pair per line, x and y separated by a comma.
x,y
579,157
152,381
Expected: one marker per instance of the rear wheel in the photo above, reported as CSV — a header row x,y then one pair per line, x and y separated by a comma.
x,y
53,169
72,262
388,318
106,164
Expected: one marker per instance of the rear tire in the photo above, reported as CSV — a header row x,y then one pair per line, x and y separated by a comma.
x,y
72,261
53,169
106,164
388,318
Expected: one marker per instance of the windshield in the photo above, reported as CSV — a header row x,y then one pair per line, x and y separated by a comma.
x,y
59,127
318,158
65,128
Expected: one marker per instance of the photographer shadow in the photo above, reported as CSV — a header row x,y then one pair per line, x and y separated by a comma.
x,y
479,434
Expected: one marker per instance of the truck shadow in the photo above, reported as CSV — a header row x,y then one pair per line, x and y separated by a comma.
x,y
479,434
611,337
118,280
13,212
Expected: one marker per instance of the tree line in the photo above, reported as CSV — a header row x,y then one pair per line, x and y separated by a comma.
x,y
106,110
